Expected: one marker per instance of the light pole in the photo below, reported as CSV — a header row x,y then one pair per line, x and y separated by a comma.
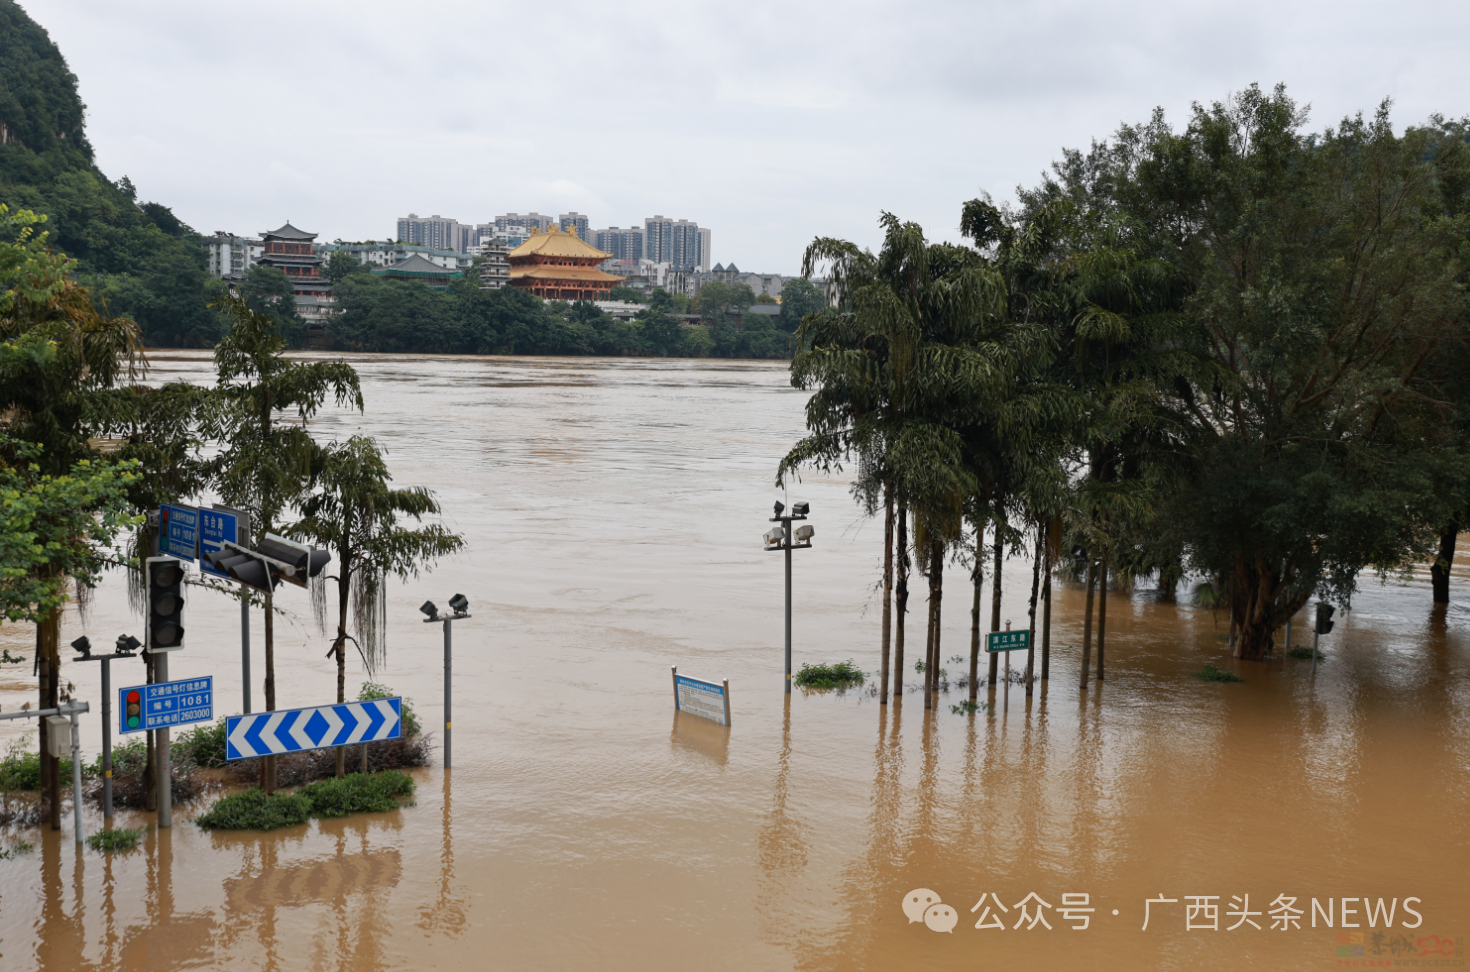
x,y
126,646
461,606
780,538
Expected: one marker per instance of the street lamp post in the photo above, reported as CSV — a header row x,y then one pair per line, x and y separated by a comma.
x,y
460,605
781,538
126,646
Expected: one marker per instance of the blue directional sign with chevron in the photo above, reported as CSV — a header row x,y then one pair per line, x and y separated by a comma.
x,y
318,727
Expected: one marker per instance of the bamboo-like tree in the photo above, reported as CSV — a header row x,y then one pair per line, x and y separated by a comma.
x,y
258,416
355,514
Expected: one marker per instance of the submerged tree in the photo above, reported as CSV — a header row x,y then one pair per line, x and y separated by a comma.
x,y
258,416
357,516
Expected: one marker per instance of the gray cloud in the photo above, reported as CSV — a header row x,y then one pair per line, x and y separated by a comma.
x,y
769,122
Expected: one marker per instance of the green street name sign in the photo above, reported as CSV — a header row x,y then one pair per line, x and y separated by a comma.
x,y
1008,641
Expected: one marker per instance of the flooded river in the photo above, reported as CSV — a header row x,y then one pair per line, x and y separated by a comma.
x,y
613,511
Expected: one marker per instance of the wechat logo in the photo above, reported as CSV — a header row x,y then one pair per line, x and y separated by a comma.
x,y
924,905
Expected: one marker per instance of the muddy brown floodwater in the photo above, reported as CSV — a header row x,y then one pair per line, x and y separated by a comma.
x,y
614,512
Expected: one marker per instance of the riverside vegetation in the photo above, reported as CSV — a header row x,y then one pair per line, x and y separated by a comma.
x,y
1236,351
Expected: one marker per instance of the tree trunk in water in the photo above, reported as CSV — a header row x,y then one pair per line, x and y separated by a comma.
x,y
1439,573
887,592
1087,620
1255,589
1000,522
977,576
1102,619
936,586
1031,636
1046,620
48,633
269,764
343,593
901,608
929,642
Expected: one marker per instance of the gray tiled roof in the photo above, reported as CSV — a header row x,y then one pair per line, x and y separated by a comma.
x,y
289,232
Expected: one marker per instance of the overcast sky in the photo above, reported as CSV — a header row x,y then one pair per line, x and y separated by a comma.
x,y
769,122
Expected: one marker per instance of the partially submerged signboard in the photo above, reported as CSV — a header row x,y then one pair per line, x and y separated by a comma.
x,y
708,700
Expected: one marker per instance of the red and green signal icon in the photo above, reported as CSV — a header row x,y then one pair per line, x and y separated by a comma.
x,y
134,713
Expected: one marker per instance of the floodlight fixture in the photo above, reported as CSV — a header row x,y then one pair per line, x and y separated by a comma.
x,y
127,644
780,507
774,536
805,532
460,603
83,646
800,509
430,610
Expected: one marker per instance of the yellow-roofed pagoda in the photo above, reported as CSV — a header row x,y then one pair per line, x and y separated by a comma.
x,y
560,266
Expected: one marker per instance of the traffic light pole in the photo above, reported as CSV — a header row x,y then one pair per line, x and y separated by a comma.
x,y
106,739
165,771
448,670
245,647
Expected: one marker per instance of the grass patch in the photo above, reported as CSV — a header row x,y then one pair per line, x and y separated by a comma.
x,y
919,667
253,810
16,849
1302,651
336,797
839,675
375,793
1212,674
120,839
970,705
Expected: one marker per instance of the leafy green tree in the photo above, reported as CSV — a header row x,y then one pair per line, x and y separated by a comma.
x,y
258,417
799,297
341,265
271,292
355,514
627,294
1315,276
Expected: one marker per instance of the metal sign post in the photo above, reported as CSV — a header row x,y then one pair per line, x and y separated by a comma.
x,y
217,526
126,646
73,709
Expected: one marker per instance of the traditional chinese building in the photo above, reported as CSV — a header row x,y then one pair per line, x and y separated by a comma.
x,y
290,250
557,265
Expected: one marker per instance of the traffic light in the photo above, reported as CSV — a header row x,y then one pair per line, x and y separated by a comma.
x,y
273,560
165,603
133,716
1324,618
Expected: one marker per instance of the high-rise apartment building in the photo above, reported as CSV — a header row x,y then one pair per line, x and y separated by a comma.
x,y
677,242
624,244
576,223
521,224
438,232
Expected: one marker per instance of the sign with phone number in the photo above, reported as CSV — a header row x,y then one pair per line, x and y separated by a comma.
x,y
143,708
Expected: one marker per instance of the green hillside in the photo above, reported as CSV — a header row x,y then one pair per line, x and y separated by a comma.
x,y
139,259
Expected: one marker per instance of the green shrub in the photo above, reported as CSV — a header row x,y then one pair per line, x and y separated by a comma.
x,y
1212,674
839,675
336,797
919,667
970,705
116,840
21,769
373,690
1302,651
202,746
253,810
356,793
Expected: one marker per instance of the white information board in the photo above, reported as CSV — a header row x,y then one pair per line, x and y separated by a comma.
x,y
708,700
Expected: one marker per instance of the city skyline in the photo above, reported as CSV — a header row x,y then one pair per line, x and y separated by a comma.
x,y
807,122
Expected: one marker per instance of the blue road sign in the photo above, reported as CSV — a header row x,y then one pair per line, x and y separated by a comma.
x,y
1008,641
178,531
319,727
215,527
142,708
